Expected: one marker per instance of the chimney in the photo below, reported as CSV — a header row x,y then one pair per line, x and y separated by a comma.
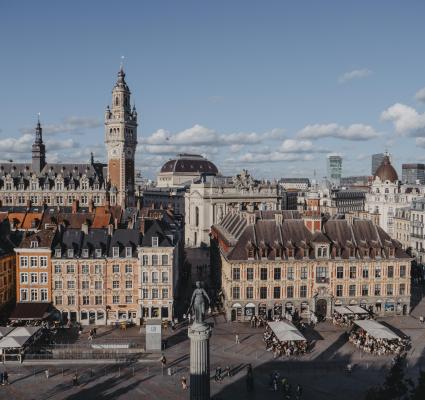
x,y
91,206
110,229
74,206
85,228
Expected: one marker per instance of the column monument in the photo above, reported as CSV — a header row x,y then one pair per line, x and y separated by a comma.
x,y
199,334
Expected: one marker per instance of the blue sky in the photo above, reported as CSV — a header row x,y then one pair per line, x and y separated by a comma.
x,y
271,86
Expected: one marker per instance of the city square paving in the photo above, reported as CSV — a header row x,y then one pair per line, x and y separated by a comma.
x,y
322,372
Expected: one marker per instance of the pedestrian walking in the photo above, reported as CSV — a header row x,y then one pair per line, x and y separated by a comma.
x,y
184,383
421,319
237,339
1,378
47,373
274,384
227,371
299,392
5,378
75,380
94,333
163,363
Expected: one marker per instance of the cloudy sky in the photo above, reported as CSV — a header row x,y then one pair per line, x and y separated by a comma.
x,y
271,86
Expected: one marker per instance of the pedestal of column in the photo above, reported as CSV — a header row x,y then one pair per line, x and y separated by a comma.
x,y
199,335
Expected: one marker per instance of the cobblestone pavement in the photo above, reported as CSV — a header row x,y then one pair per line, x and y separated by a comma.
x,y
321,372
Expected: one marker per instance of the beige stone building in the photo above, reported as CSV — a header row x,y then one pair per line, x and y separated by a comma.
x,y
402,226
269,263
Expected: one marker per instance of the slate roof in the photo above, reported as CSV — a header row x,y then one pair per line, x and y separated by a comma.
x,y
189,163
45,238
123,238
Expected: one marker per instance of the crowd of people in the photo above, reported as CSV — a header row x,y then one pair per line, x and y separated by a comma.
x,y
286,348
346,320
369,344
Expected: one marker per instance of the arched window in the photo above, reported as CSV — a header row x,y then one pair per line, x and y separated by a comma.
x,y
116,100
196,216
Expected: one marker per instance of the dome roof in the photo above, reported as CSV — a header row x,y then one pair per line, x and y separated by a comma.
x,y
189,163
386,171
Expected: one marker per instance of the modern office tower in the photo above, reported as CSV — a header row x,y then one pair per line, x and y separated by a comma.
x,y
335,169
376,162
413,173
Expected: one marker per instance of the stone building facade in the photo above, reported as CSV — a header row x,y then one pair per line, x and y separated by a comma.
x,y
269,263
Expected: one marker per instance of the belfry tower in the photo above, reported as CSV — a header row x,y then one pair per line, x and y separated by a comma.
x,y
38,150
121,142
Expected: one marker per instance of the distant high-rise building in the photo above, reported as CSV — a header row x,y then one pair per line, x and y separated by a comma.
x,y
376,162
335,169
412,173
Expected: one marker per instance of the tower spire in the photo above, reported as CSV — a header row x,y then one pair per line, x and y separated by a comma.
x,y
38,149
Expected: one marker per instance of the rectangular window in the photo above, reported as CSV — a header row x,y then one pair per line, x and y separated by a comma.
x,y
277,274
276,292
304,273
263,274
155,277
353,272
164,259
115,299
155,259
145,260
290,292
145,293
165,293
365,273
115,251
339,290
129,284
128,269
390,291
365,290
116,284
58,285
24,277
23,261
24,294
290,274
377,290
70,253
98,253
58,269
154,241
98,269
85,253
303,291
128,252
43,262
115,268
402,271
86,300
249,292
70,269
58,300
263,292
352,290
339,272
390,271
144,277
34,277
33,262
128,298
70,284
85,269
236,291
85,285
250,274
34,295
236,276
164,277
402,289
98,300
98,285
43,277
377,272
43,295
154,293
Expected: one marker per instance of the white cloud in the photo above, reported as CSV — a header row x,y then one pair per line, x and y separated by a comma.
x,y
357,132
70,125
420,95
17,145
61,144
354,74
406,120
273,157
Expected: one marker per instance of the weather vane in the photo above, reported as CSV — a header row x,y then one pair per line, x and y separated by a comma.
x,y
122,61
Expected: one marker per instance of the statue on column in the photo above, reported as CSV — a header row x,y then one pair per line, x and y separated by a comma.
x,y
197,303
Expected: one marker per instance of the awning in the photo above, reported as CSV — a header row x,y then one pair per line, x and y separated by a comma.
x,y
286,331
376,330
250,305
4,331
357,310
17,337
237,305
31,311
343,310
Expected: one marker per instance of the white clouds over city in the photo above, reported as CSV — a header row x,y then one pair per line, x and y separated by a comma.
x,y
356,132
354,74
406,120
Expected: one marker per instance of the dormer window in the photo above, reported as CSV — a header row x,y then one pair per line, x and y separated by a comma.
x,y
8,186
58,253
290,253
70,253
98,253
155,241
34,244
128,252
322,252
115,251
85,253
